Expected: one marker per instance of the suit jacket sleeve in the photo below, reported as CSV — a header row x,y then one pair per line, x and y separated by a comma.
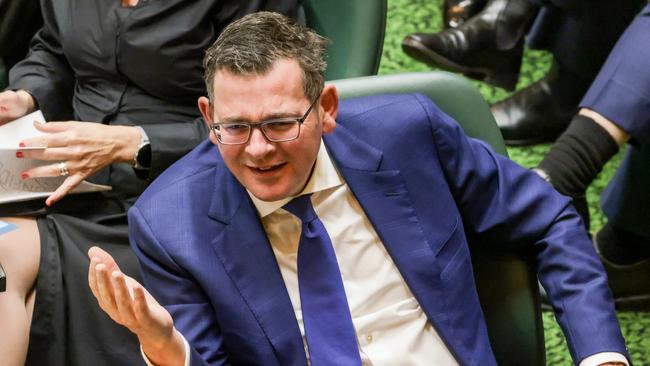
x,y
501,202
175,289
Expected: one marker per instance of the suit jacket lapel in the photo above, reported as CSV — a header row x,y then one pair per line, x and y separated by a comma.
x,y
387,204
246,254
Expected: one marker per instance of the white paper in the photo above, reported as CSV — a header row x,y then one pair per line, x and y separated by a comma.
x,y
13,132
12,188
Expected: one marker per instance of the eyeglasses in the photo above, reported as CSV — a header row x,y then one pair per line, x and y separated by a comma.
x,y
274,130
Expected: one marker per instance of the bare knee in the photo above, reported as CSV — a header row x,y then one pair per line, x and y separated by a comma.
x,y
20,253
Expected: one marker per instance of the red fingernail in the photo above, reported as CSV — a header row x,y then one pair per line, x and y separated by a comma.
x,y
22,144
19,154
24,176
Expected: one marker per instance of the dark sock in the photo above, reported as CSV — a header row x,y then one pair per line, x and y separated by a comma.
x,y
578,156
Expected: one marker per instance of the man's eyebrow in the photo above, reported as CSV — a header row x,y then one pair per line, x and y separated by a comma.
x,y
277,115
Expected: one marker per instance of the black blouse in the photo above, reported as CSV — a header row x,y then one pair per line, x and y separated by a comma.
x,y
97,61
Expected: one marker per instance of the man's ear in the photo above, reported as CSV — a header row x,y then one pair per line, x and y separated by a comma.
x,y
329,107
206,111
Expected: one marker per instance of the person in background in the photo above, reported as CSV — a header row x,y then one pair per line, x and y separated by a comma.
x,y
489,47
125,76
615,110
304,233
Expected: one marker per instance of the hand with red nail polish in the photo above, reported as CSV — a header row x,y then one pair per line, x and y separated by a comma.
x,y
86,148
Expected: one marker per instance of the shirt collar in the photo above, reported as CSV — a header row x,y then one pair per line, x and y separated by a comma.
x,y
324,176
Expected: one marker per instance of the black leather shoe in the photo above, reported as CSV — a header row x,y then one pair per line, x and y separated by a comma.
x,y
542,111
457,12
487,47
629,278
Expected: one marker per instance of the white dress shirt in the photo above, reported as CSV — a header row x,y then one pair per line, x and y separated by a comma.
x,y
391,327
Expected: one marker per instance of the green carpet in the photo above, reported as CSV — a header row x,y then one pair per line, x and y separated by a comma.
x,y
407,16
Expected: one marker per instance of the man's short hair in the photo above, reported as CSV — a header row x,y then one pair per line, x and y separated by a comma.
x,y
252,44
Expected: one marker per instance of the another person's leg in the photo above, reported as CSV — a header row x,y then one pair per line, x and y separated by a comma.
x,y
615,108
580,39
580,154
20,257
621,96
487,47
624,243
625,239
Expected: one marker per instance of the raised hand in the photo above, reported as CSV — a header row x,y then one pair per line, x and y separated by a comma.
x,y
130,305
15,104
84,148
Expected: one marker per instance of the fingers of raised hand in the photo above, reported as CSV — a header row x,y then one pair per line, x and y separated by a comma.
x,y
142,306
104,288
103,256
112,294
123,300
153,319
92,277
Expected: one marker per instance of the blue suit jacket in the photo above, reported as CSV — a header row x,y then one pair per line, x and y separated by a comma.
x,y
422,184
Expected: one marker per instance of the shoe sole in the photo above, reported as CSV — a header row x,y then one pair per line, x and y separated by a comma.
x,y
423,54
636,302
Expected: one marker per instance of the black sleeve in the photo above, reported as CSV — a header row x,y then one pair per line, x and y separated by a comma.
x,y
170,141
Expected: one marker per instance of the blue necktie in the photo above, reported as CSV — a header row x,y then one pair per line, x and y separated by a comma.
x,y
331,339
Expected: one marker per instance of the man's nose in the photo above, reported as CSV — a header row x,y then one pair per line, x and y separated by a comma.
x,y
258,146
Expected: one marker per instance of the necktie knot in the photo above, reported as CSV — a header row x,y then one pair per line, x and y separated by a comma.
x,y
302,208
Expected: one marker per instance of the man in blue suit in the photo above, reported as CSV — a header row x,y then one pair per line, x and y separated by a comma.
x,y
386,187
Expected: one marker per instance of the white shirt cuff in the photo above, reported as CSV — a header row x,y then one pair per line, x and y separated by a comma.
x,y
604,357
187,354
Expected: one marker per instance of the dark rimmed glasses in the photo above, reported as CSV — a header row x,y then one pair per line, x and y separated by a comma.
x,y
274,130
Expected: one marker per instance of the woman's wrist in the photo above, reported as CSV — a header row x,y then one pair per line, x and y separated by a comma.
x,y
128,139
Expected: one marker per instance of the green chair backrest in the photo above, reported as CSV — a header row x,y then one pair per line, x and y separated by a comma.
x,y
506,282
356,29
453,94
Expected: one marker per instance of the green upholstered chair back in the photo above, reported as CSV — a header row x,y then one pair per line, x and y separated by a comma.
x,y
356,29
506,282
